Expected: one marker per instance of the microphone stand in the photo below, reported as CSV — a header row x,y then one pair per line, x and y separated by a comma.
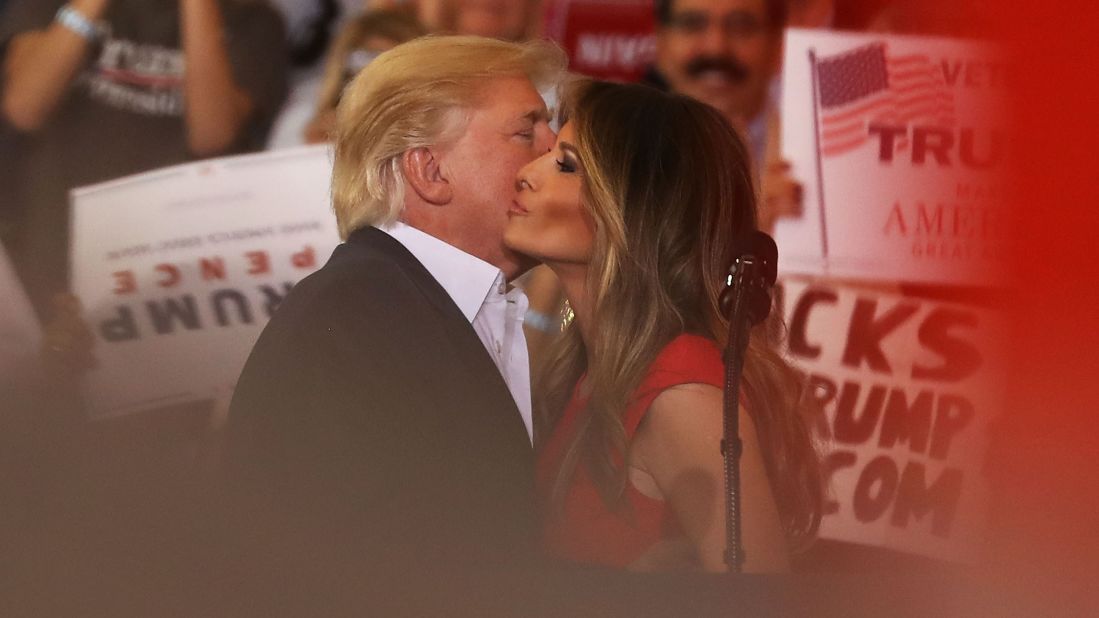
x,y
747,301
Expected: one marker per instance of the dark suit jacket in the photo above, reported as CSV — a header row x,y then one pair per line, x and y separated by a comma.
x,y
371,426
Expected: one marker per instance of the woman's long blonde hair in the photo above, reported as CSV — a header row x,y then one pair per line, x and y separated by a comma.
x,y
668,183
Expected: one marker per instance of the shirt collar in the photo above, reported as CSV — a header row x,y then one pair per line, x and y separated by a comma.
x,y
468,280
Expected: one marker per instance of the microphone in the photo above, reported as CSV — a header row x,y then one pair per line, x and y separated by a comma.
x,y
752,273
746,300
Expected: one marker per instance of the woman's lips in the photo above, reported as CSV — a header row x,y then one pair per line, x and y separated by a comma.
x,y
516,209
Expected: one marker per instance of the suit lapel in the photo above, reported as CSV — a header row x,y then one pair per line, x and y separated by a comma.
x,y
474,358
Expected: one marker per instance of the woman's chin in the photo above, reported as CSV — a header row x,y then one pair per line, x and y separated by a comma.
x,y
513,240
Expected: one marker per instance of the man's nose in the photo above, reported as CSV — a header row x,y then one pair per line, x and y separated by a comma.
x,y
544,140
714,41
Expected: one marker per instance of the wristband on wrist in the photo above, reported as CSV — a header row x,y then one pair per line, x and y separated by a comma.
x,y
75,21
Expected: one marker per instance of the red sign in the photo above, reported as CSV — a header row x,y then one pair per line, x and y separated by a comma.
x,y
606,39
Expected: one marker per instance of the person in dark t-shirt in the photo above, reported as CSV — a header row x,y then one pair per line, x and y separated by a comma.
x,y
106,88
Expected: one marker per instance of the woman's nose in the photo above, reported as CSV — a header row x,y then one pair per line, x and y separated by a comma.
x,y
522,179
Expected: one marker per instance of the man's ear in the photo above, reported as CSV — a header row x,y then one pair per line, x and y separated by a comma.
x,y
422,169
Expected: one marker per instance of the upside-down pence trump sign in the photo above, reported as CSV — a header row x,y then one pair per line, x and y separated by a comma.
x,y
899,143
179,269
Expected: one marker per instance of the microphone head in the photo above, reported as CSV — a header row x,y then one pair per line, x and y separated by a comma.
x,y
763,252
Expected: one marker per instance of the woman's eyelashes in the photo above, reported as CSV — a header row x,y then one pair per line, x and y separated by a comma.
x,y
566,164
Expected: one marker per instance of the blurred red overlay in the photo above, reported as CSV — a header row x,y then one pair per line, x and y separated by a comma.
x,y
1045,463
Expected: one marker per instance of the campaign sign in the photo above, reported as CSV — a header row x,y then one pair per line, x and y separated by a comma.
x,y
908,388
900,147
179,269
19,331
605,39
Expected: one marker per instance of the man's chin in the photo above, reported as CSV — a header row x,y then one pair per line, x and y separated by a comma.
x,y
726,100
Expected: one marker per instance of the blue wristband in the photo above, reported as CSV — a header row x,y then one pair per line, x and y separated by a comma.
x,y
75,21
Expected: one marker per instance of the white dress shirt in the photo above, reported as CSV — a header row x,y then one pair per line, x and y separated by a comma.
x,y
480,291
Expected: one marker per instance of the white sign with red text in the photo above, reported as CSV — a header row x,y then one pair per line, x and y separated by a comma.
x,y
908,388
179,269
900,148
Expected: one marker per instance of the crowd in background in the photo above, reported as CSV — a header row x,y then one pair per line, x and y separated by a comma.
x,y
172,81
266,75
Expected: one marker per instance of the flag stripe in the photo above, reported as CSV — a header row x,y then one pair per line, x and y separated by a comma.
x,y
922,106
926,73
920,99
842,147
862,110
860,123
860,129
907,88
844,132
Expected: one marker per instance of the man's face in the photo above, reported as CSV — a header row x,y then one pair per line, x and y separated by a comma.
x,y
721,52
505,132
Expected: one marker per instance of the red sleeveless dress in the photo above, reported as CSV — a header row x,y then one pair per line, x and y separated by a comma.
x,y
584,529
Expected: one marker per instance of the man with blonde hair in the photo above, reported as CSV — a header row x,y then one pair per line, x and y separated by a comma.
x,y
383,417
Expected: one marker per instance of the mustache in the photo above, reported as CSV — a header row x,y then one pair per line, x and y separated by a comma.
x,y
733,70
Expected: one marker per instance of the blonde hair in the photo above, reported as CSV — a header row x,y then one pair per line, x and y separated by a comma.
x,y
415,95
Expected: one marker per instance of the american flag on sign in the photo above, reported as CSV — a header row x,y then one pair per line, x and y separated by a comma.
x,y
867,85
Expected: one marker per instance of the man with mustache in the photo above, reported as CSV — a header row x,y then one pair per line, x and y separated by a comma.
x,y
726,53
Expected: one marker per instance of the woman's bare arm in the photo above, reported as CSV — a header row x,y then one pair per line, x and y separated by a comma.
x,y
678,445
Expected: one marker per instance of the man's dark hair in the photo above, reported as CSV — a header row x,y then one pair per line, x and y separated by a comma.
x,y
776,12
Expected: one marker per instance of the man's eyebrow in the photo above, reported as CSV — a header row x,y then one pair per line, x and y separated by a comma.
x,y
537,115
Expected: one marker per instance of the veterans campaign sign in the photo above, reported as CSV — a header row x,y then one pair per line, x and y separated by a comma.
x,y
900,147
606,39
19,331
908,389
179,269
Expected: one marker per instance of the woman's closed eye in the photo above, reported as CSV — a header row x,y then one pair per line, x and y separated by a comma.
x,y
568,161
566,165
